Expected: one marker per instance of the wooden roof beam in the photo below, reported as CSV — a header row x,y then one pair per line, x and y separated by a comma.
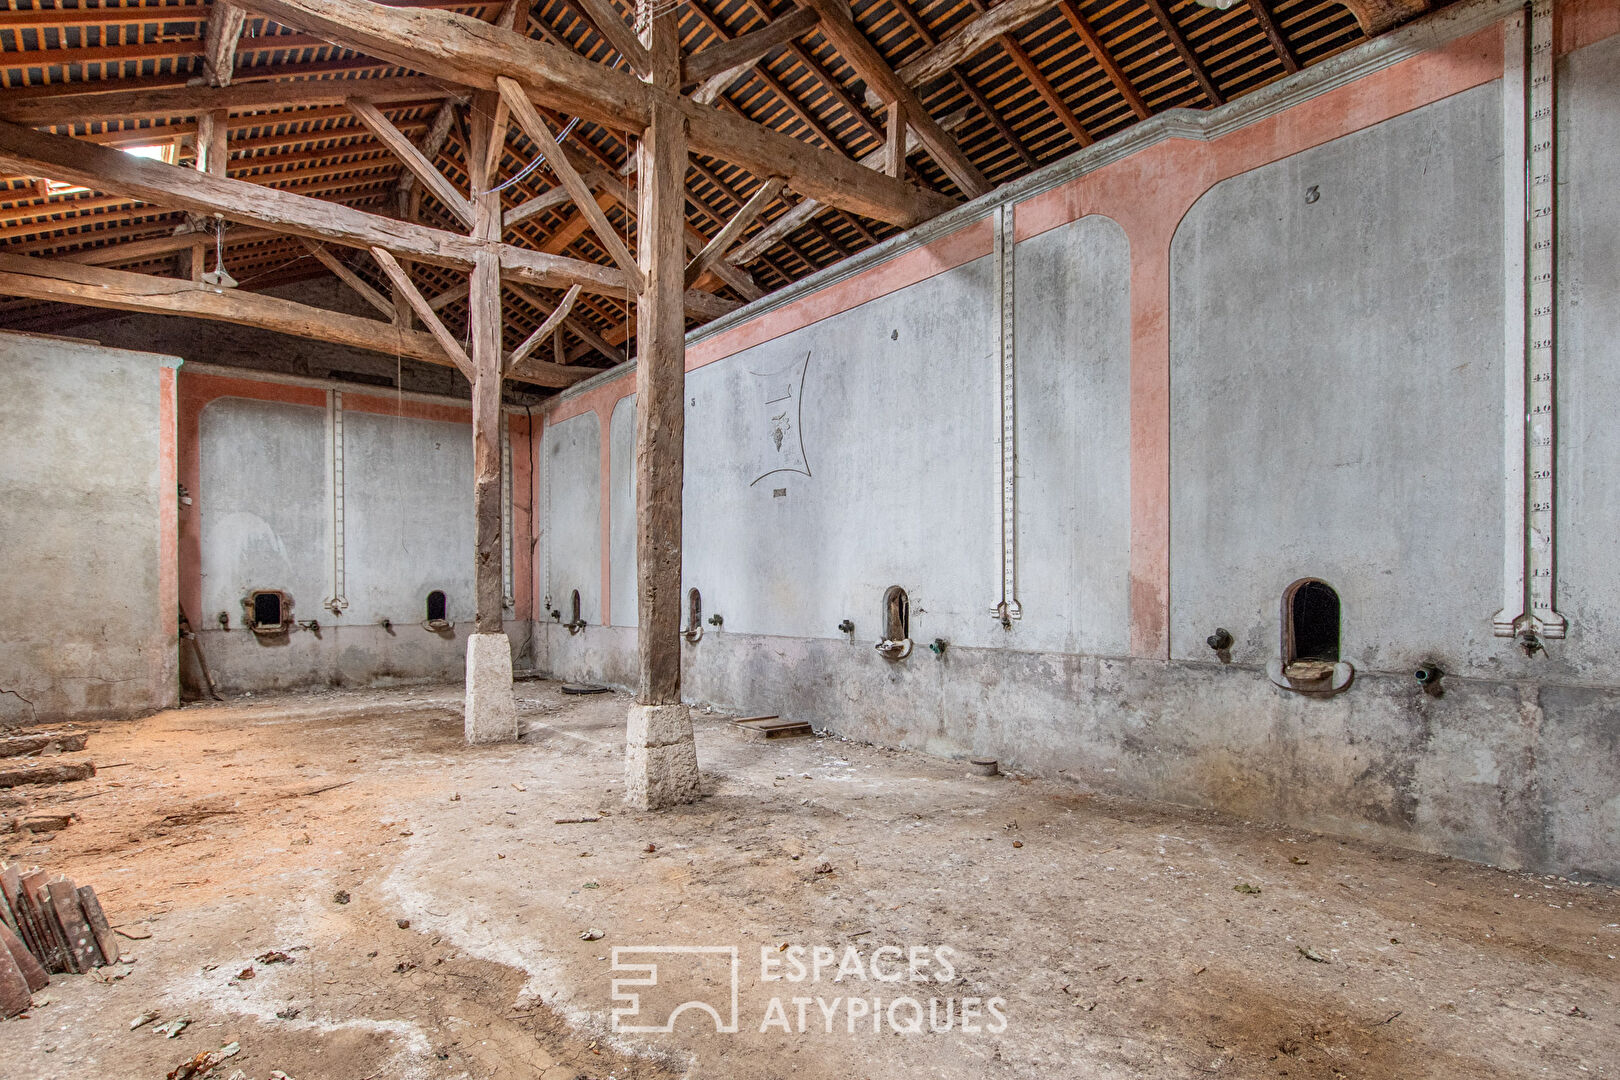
x,y
607,21
426,173
744,50
408,291
353,280
551,324
534,126
219,47
1105,59
120,290
1183,50
1279,43
971,38
733,229
1047,91
70,160
473,53
869,64
77,105
1376,16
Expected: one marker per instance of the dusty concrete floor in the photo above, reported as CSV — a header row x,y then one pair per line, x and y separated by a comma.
x,y
1112,930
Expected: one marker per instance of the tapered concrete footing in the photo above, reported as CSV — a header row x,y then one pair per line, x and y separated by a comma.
x,y
490,713
660,757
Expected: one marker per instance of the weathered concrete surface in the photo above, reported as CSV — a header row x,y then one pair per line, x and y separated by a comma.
x,y
490,712
1311,359
660,757
1336,402
337,655
601,654
1102,892
1073,338
570,546
265,518
1501,773
85,619
1588,376
885,472
622,514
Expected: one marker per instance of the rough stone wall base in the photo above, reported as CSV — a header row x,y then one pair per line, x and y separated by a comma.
x,y
490,714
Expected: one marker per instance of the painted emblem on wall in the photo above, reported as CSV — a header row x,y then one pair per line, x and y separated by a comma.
x,y
780,445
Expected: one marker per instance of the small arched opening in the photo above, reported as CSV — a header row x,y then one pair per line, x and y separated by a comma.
x,y
1311,616
896,614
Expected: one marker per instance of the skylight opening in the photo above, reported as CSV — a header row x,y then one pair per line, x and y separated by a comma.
x,y
163,151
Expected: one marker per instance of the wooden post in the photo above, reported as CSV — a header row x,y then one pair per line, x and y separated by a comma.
x,y
660,397
490,714
660,756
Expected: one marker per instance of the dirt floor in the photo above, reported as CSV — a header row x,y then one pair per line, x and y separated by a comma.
x,y
1059,933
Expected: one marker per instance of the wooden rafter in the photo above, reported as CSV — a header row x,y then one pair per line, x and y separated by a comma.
x,y
1268,23
733,229
1105,59
746,49
848,39
1048,93
552,322
36,153
74,104
473,53
534,126
426,173
1185,51
413,296
219,47
350,278
611,25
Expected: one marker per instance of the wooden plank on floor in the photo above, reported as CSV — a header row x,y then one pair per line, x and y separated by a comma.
x,y
27,963
57,773
83,952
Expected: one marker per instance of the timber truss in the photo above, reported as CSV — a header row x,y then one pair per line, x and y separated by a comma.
x,y
415,149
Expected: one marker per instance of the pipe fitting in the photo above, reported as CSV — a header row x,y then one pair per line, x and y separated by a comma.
x,y
1428,677
846,627
938,646
1220,640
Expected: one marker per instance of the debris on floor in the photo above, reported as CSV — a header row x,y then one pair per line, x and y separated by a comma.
x,y
47,925
204,1062
42,743
65,772
774,727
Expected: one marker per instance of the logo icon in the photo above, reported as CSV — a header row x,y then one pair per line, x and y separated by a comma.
x,y
673,979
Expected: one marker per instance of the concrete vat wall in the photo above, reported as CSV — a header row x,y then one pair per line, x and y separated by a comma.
x,y
1225,380
295,483
87,478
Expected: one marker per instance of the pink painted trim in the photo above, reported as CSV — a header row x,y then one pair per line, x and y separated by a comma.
x,y
517,429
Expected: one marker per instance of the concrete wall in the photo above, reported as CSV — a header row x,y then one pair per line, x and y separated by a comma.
x,y
1336,394
87,625
1260,344
270,464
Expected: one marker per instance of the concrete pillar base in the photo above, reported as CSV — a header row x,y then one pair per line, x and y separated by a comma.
x,y
660,757
490,713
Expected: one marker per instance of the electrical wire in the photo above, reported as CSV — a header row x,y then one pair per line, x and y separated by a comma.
x,y
523,173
